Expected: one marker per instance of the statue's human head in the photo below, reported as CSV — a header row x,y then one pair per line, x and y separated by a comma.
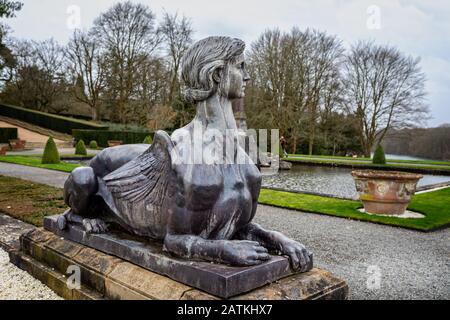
x,y
79,187
214,64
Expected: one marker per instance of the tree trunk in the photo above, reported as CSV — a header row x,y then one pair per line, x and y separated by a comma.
x,y
312,131
94,113
311,142
367,150
294,146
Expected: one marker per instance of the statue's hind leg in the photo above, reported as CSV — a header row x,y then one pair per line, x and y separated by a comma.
x,y
79,190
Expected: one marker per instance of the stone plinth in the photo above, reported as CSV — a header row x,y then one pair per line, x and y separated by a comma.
x,y
217,279
47,257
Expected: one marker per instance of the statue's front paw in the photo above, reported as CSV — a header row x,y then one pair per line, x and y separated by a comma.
x,y
62,222
299,256
94,226
244,253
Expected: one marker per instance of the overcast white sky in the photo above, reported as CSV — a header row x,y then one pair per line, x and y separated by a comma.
x,y
417,27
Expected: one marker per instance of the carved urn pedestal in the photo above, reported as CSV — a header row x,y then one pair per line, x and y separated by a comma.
x,y
385,192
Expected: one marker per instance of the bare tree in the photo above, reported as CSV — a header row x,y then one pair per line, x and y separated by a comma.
x,y
38,80
384,89
8,8
292,79
268,104
321,74
151,90
7,59
49,59
88,69
177,35
127,34
162,117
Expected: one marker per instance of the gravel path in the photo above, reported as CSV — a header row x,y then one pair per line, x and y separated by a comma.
x,y
16,284
44,176
366,161
410,264
40,151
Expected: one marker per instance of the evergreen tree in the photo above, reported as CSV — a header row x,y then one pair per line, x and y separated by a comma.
x,y
80,148
148,140
93,145
379,157
51,154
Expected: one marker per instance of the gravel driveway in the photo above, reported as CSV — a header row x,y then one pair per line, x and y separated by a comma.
x,y
410,264
16,284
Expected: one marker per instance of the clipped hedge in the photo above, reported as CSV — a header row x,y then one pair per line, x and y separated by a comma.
x,y
148,140
51,154
93,145
47,120
80,148
379,156
7,134
102,136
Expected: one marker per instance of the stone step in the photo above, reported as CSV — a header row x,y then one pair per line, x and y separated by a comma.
x,y
108,276
52,278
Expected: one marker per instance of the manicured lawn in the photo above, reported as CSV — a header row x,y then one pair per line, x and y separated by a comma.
x,y
29,201
434,205
36,162
362,159
359,162
61,155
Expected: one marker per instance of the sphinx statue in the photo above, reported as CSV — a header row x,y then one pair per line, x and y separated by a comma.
x,y
200,207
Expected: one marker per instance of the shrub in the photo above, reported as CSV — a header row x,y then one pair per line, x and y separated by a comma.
x,y
281,151
7,134
80,148
47,120
379,157
93,144
148,140
51,154
102,136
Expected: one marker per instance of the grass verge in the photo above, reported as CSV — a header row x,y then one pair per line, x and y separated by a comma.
x,y
434,205
28,201
363,163
362,159
36,162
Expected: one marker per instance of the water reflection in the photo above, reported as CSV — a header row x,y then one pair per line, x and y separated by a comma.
x,y
326,180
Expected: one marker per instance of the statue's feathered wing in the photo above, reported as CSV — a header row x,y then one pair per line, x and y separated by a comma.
x,y
141,191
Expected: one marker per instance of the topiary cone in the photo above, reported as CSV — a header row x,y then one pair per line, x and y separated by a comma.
x,y
80,148
148,140
51,154
93,145
379,157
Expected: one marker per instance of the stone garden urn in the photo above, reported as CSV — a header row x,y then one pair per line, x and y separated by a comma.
x,y
385,192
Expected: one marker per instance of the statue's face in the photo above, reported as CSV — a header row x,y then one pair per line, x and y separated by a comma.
x,y
237,77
